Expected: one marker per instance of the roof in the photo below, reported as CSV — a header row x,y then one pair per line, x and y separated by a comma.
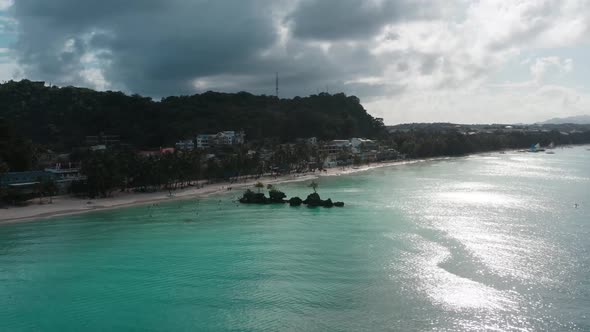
x,y
62,170
24,184
14,178
167,150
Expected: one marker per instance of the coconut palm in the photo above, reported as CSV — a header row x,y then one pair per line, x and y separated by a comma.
x,y
258,186
313,185
49,188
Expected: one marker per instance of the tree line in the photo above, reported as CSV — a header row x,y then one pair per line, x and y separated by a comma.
x,y
123,170
425,144
61,118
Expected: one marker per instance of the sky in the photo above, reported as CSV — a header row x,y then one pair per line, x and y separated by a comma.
x,y
464,61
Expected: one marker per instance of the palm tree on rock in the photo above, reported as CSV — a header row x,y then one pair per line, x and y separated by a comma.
x,y
314,185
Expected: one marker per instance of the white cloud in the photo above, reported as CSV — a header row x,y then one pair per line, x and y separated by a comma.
x,y
484,105
4,4
10,70
542,66
450,63
408,60
94,78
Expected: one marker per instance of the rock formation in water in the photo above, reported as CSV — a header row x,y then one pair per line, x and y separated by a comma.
x,y
295,201
278,197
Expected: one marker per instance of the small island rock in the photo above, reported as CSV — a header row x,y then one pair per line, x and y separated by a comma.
x,y
295,201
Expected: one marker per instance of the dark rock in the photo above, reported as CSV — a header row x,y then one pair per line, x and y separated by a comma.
x,y
251,197
327,203
277,196
339,204
295,201
312,197
313,200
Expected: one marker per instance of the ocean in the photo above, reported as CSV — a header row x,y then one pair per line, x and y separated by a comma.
x,y
491,242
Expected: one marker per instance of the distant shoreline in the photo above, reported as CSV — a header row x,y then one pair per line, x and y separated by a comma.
x,y
67,205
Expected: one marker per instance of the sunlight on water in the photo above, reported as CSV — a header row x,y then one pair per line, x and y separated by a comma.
x,y
482,243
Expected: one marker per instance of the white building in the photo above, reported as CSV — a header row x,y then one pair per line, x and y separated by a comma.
x,y
187,145
359,145
229,137
336,146
203,141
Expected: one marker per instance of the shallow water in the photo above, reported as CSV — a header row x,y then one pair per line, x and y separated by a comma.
x,y
487,242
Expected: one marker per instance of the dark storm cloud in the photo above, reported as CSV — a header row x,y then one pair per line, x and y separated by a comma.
x,y
352,19
154,47
161,47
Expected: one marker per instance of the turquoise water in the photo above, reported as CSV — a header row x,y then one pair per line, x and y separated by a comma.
x,y
488,242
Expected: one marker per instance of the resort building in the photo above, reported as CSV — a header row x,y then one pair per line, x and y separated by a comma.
x,y
102,139
186,145
64,176
203,141
336,146
27,182
206,141
308,141
23,182
359,145
99,147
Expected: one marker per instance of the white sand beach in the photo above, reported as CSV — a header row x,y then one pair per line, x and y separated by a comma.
x,y
67,205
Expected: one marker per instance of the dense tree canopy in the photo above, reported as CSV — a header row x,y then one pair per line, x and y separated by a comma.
x,y
61,117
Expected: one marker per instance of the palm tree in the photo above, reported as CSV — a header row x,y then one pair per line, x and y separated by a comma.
x,y
313,185
49,187
258,186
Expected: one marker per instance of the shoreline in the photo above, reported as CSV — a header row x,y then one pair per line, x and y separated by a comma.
x,y
68,205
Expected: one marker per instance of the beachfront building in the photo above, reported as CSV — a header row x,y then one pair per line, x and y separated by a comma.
x,y
99,147
64,176
203,141
222,138
359,145
185,145
23,182
308,141
102,139
336,146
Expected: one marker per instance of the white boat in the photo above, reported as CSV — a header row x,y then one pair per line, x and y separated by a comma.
x,y
536,148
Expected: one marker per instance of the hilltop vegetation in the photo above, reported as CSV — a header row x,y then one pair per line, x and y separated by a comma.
x,y
578,119
60,118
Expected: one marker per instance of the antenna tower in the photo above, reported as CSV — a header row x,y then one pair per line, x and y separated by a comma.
x,y
277,84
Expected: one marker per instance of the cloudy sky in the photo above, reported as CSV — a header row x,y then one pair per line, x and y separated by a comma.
x,y
408,60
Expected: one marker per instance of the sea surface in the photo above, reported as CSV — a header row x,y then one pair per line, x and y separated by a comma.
x,y
488,242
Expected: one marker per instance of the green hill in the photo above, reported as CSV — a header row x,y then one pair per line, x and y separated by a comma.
x,y
61,117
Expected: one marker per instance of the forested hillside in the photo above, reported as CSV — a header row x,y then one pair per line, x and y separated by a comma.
x,y
61,117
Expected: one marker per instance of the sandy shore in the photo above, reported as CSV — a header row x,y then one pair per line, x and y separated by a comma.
x,y
67,205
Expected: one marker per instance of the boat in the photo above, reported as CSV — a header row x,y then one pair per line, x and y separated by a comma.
x,y
550,152
536,148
